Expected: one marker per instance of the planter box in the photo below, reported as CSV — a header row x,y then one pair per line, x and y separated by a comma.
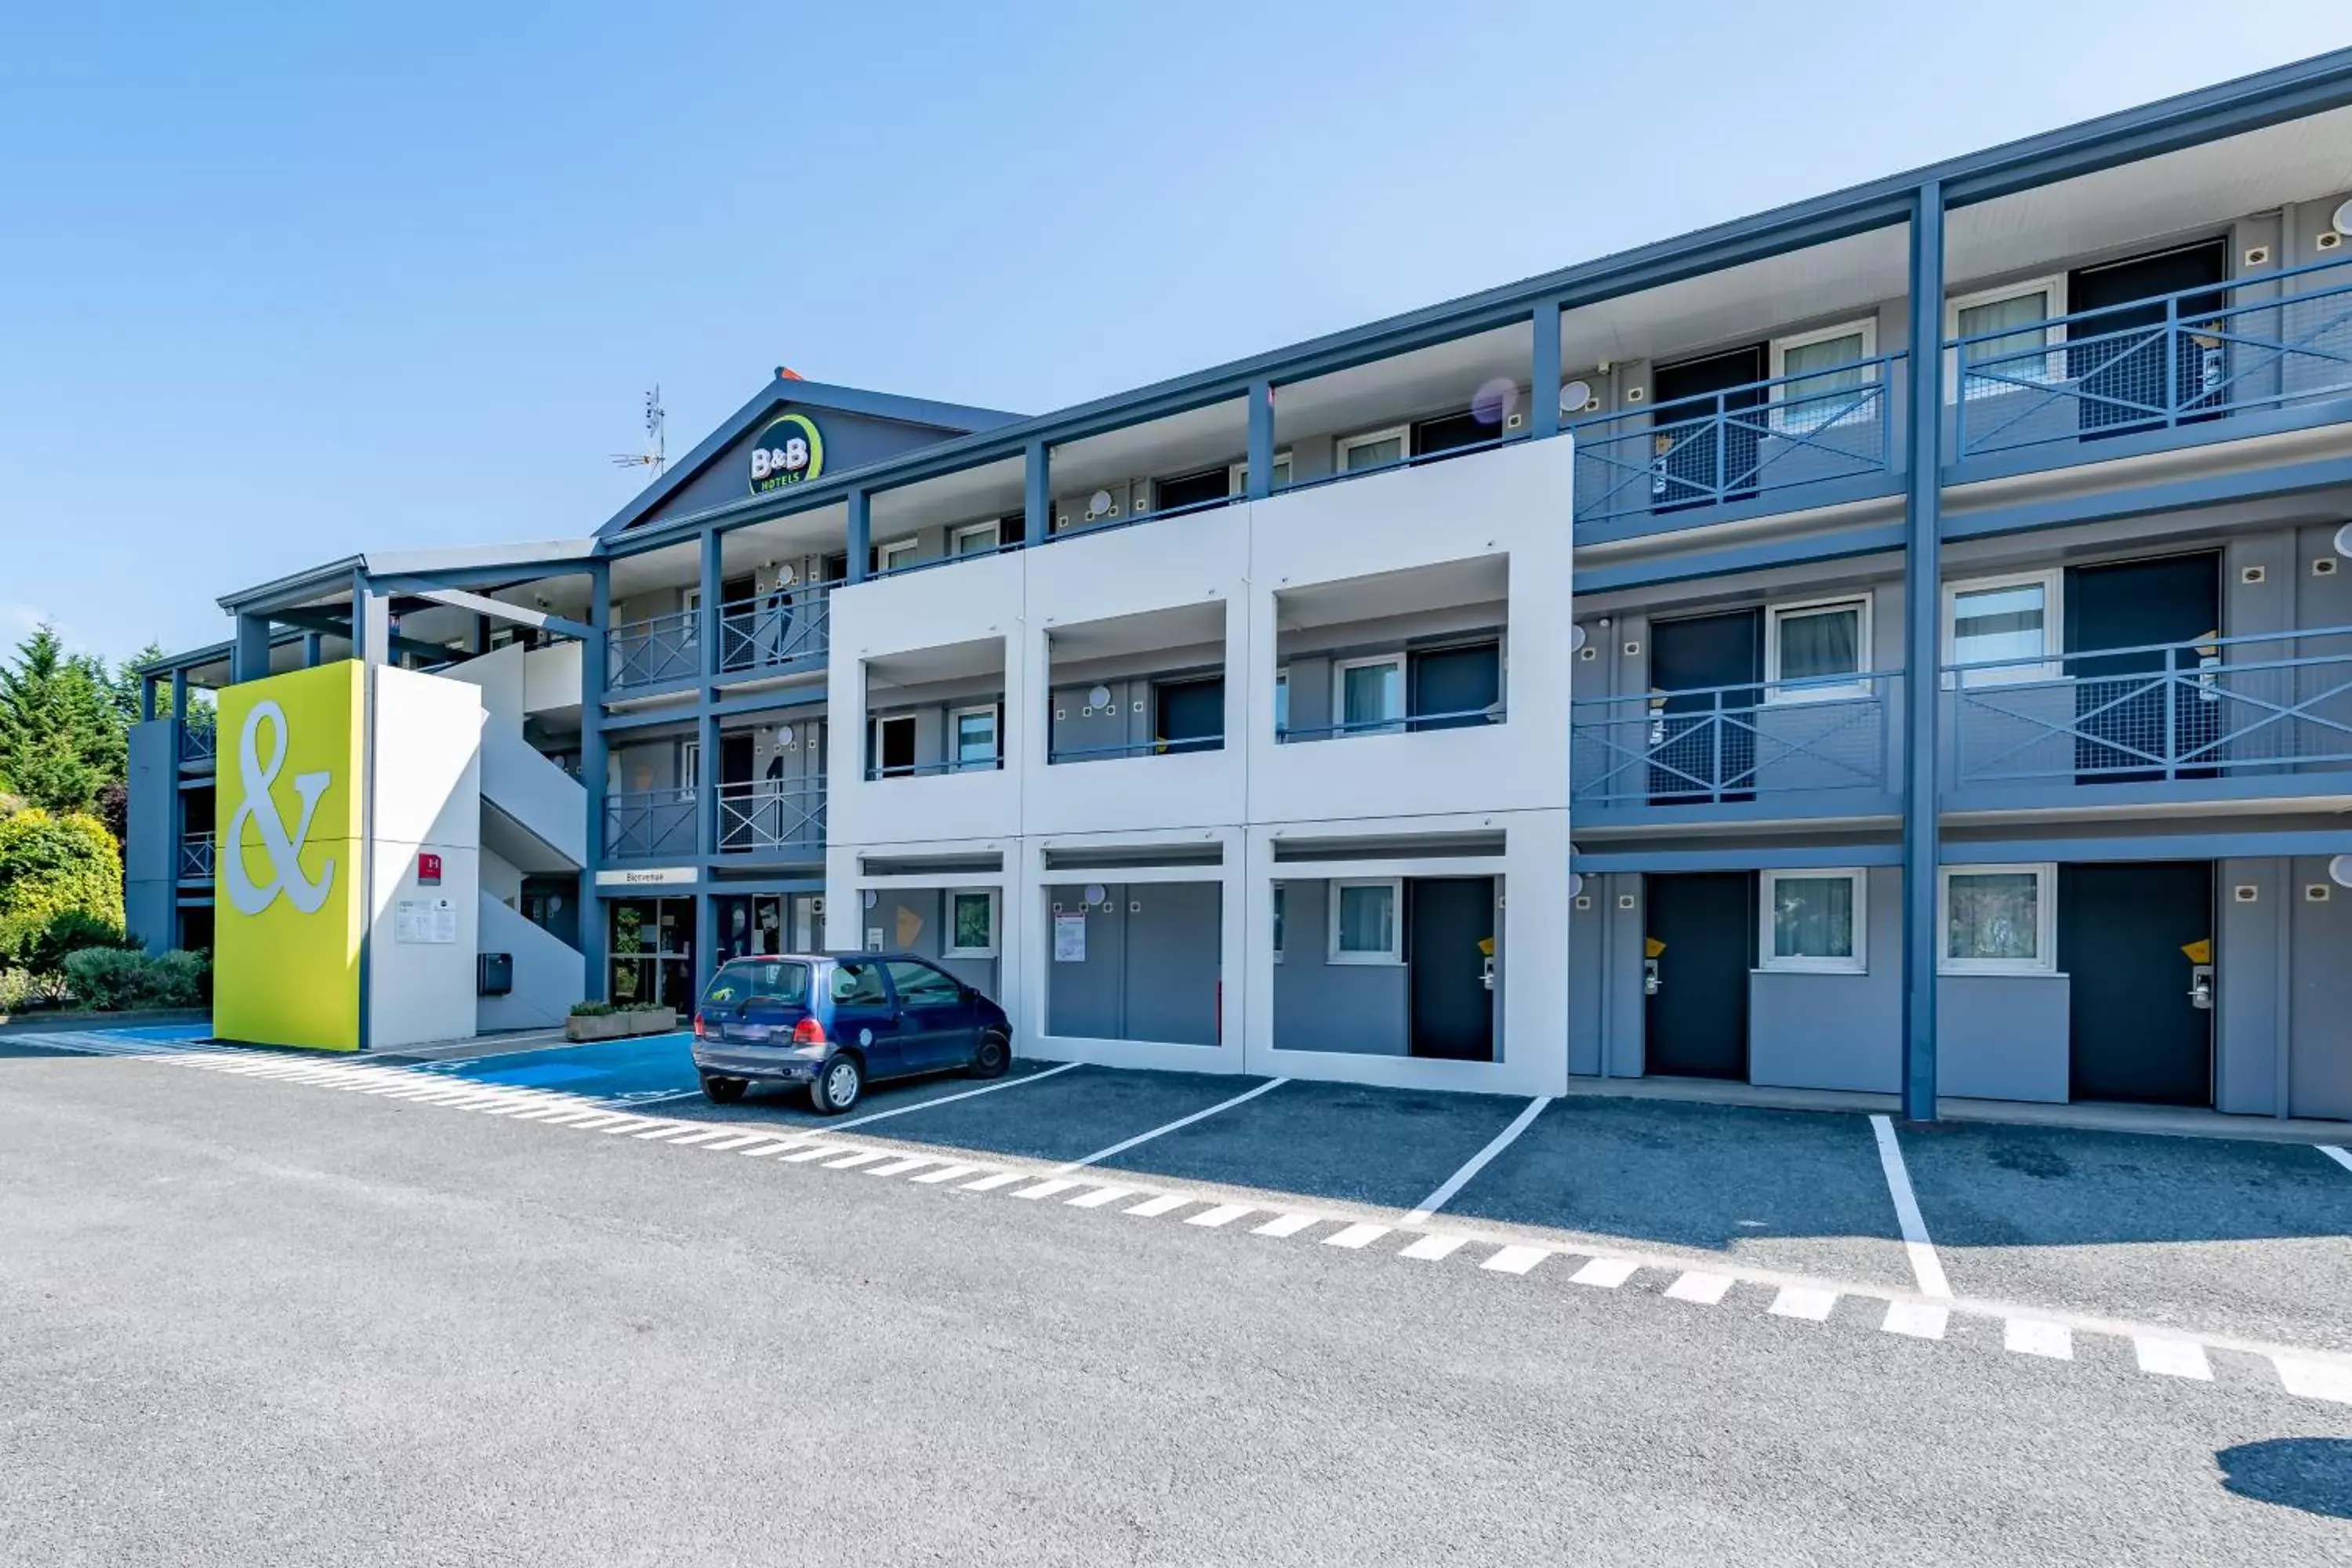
x,y
619,1025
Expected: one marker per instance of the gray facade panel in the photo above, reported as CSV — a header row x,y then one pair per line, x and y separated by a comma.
x,y
1322,1006
1835,1031
151,849
2003,1036
2319,1081
2250,1032
1152,966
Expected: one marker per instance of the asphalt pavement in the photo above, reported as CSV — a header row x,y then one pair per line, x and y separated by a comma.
x,y
259,1311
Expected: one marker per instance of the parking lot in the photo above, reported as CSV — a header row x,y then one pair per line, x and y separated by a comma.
x,y
2210,1236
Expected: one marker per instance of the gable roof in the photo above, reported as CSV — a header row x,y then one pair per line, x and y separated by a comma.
x,y
953,419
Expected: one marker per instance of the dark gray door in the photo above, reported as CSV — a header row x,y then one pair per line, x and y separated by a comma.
x,y
1191,714
1453,1013
1702,939
1703,734
1705,449
1455,685
2139,1034
2131,369
2140,714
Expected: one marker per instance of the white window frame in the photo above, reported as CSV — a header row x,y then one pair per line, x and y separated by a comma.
x,y
886,555
1811,691
1801,423
1858,963
956,717
2052,666
1400,434
2052,290
689,769
2045,910
1341,724
1279,916
1394,952
947,938
1237,475
993,528
874,732
1282,700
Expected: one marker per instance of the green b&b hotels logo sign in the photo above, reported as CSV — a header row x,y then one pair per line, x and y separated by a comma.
x,y
788,452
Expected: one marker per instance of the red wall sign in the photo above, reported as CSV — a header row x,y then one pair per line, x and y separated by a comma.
x,y
428,871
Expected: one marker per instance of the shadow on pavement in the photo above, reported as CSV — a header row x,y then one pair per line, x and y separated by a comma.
x,y
2313,1475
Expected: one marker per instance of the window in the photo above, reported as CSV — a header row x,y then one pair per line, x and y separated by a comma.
x,y
1822,376
894,746
1375,450
1364,927
975,738
1280,911
690,768
858,984
1281,704
1997,920
1237,476
740,982
1368,693
2016,324
972,923
2007,627
920,986
977,539
897,553
1814,921
1813,652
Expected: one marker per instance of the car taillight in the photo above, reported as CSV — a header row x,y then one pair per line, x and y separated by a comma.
x,y
698,1025
808,1032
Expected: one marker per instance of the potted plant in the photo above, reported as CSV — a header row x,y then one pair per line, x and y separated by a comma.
x,y
603,1021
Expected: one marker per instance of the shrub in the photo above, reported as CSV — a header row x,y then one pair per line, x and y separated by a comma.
x,y
69,931
114,979
592,1009
51,864
16,989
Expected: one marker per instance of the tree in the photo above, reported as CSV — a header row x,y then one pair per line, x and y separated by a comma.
x,y
49,864
63,733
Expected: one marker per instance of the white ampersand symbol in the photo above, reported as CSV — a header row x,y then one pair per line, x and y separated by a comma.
x,y
285,853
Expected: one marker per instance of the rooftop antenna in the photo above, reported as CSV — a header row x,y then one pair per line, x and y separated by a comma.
x,y
656,454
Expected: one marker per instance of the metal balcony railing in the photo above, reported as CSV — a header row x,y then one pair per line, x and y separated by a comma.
x,y
198,745
1732,744
648,823
1462,718
197,857
661,648
772,814
2278,703
1739,443
929,770
2268,340
1158,746
769,631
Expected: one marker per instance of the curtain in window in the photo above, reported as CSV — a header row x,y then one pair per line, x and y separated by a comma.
x,y
1372,694
1820,644
1994,915
1993,624
1372,454
1834,392
1813,917
2014,353
1367,919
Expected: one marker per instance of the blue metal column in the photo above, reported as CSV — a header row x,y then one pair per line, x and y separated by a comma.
x,y
1543,381
248,657
591,908
706,622
1037,495
1922,640
371,622
1260,483
146,699
706,782
860,546
313,646
179,697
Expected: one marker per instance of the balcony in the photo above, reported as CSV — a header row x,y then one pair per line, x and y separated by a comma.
x,y
197,857
197,746
649,823
1829,434
2272,350
1764,751
2247,716
773,817
654,650
784,629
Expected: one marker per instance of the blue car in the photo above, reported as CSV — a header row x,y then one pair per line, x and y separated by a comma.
x,y
834,1023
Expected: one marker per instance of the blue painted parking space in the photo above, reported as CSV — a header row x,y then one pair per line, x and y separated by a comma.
x,y
648,1068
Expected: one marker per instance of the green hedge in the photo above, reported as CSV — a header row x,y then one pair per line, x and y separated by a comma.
x,y
50,865
115,980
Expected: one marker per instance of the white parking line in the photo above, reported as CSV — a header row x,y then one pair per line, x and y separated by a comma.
x,y
861,1157
1800,1302
945,1173
1123,1145
734,1140
2031,1336
1224,1214
1432,1248
1927,1268
900,1167
1283,1225
705,1136
2314,1380
2335,1153
951,1099
814,1151
1704,1290
775,1146
1100,1196
2172,1358
1152,1208
990,1184
1608,1273
1038,1192
1915,1319
1356,1235
1473,1165
1517,1259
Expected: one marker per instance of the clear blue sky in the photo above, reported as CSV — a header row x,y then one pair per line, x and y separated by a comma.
x,y
280,282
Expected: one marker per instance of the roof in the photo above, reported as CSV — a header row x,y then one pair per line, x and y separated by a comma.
x,y
525,556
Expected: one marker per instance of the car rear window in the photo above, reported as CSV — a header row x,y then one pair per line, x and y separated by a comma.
x,y
738,983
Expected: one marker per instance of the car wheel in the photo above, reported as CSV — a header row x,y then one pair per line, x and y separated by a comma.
x,y
723,1091
838,1084
995,1054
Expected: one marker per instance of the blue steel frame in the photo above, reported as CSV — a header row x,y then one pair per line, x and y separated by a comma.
x,y
1919,199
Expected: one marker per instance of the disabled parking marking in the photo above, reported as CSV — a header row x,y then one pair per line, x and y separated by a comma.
x,y
1916,1319
2033,1336
2335,1153
2171,1358
1925,1267
1476,1163
1123,1145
